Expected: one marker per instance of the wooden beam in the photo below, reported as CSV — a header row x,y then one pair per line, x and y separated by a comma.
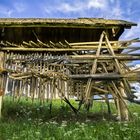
x,y
102,76
93,71
2,82
105,57
108,76
100,89
118,67
111,42
48,48
61,25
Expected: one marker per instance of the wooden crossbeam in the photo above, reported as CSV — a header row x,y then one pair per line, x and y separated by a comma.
x,y
131,50
101,76
131,76
82,45
47,48
111,42
105,57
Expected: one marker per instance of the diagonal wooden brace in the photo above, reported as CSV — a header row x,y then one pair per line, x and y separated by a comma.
x,y
93,71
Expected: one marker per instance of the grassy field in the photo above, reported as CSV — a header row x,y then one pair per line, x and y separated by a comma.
x,y
27,121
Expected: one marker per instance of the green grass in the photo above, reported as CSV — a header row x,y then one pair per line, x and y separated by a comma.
x,y
27,121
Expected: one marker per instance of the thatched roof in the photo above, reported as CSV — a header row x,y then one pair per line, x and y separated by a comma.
x,y
80,22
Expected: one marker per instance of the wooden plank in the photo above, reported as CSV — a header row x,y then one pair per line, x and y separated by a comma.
x,y
108,76
104,57
100,89
103,76
112,42
48,49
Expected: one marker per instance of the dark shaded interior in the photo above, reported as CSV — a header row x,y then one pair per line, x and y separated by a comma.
x,y
46,34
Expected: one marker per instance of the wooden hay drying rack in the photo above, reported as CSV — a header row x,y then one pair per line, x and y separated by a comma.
x,y
50,70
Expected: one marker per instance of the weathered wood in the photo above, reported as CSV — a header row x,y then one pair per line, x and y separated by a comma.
x,y
118,66
2,70
66,100
118,98
2,82
44,69
123,112
112,42
107,102
49,49
105,57
100,90
1,98
93,71
33,44
108,76
105,76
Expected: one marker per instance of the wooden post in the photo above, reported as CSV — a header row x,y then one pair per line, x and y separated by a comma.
x,y
123,113
1,79
119,91
1,94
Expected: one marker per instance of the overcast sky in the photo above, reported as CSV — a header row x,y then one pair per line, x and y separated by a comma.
x,y
112,9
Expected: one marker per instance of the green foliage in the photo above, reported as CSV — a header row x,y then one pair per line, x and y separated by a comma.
x,y
27,121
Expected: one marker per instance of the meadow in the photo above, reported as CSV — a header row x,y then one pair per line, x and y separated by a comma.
x,y
25,120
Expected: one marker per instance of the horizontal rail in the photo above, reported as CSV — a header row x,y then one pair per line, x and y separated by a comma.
x,y
97,76
105,57
107,76
112,42
85,48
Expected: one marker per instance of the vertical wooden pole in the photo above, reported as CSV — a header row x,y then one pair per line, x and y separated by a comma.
x,y
124,114
1,94
107,102
1,80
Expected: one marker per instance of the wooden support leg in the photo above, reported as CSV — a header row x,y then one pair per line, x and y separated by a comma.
x,y
65,99
123,113
1,94
121,104
0,105
107,102
1,80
